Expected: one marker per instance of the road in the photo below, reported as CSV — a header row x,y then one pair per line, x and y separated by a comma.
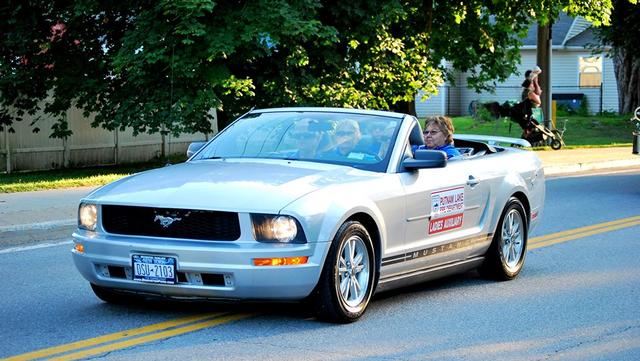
x,y
577,299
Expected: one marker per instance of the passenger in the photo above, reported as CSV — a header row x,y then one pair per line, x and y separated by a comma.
x,y
438,135
379,139
307,134
347,136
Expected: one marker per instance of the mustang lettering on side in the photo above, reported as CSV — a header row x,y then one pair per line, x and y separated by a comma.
x,y
323,204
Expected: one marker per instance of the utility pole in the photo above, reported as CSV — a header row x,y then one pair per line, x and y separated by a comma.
x,y
543,58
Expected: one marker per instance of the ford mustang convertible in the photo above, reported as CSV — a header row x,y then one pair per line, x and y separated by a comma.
x,y
324,205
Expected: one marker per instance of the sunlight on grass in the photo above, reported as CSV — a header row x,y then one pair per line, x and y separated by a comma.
x,y
582,131
27,186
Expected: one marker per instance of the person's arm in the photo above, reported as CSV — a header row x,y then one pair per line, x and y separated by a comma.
x,y
536,87
535,99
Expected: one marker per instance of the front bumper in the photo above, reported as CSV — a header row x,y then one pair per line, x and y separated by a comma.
x,y
210,270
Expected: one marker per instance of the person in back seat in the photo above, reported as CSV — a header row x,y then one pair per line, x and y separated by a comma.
x,y
438,135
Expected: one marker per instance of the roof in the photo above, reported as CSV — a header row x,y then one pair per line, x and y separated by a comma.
x,y
583,39
565,31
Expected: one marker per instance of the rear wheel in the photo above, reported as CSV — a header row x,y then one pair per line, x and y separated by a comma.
x,y
505,257
346,283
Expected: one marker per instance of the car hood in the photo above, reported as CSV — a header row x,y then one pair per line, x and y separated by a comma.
x,y
227,185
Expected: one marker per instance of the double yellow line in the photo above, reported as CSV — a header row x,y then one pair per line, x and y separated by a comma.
x,y
128,338
120,340
554,238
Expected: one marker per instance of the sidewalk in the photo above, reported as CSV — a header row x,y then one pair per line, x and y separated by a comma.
x,y
585,159
31,217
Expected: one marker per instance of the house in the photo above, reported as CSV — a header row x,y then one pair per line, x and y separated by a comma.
x,y
576,72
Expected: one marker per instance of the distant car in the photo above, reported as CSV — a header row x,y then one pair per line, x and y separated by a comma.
x,y
323,204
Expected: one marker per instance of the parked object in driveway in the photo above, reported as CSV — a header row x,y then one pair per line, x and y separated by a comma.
x,y
250,216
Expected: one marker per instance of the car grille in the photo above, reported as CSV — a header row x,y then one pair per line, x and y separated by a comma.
x,y
171,223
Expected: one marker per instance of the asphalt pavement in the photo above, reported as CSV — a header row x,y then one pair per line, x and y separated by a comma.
x,y
33,217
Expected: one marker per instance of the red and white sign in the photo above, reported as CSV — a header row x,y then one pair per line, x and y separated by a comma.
x,y
447,210
445,224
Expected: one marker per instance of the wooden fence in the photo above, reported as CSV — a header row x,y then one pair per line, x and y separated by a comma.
x,y
87,146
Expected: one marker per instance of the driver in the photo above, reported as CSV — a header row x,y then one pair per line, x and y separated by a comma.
x,y
307,134
438,135
347,136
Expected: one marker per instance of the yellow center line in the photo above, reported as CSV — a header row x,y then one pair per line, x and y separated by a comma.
x,y
111,337
151,337
162,330
569,235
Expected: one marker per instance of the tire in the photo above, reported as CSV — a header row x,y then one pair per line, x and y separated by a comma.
x,y
336,297
556,144
556,141
505,258
110,296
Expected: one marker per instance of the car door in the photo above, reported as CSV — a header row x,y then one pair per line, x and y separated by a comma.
x,y
443,211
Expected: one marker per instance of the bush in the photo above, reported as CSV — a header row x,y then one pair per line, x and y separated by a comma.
x,y
583,110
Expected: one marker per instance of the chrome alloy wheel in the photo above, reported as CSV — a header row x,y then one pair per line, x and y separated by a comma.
x,y
353,273
512,240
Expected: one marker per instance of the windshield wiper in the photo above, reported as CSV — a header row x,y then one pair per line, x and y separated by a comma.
x,y
212,157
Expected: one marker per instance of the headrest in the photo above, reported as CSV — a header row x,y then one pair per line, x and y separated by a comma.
x,y
415,138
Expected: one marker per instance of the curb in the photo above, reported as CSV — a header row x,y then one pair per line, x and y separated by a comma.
x,y
36,232
587,166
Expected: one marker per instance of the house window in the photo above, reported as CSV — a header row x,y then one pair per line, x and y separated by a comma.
x,y
590,71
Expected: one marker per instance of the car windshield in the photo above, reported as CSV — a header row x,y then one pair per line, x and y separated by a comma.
x,y
360,140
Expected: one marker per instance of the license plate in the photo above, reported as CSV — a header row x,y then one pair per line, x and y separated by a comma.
x,y
154,269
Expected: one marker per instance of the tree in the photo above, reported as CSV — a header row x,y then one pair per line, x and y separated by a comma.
x,y
161,66
623,35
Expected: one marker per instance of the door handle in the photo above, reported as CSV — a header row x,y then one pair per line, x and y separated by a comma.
x,y
472,181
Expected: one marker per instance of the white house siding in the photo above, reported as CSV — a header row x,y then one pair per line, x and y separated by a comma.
x,y
566,77
609,86
436,104
565,80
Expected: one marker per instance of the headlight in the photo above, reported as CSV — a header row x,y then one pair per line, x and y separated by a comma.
x,y
275,228
87,216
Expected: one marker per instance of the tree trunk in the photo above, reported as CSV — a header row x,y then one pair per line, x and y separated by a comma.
x,y
543,59
627,69
405,107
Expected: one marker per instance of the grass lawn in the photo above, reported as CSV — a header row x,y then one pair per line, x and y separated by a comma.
x,y
591,131
78,177
597,130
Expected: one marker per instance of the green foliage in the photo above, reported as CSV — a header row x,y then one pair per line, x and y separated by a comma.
x,y
583,109
161,66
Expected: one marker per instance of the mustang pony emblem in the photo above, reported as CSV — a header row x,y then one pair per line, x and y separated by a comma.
x,y
165,222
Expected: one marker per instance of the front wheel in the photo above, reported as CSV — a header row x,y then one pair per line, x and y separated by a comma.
x,y
347,279
556,141
556,144
505,257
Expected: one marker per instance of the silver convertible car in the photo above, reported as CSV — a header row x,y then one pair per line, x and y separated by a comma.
x,y
319,204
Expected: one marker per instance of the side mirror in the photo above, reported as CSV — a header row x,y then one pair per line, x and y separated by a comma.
x,y
426,158
194,147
